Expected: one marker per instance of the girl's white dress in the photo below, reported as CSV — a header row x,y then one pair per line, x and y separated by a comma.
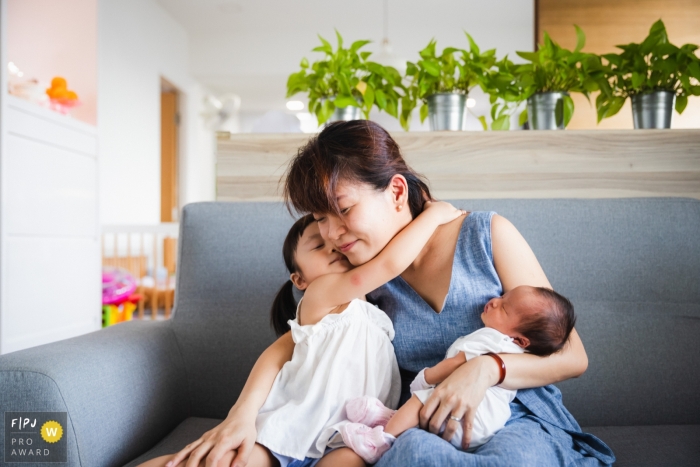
x,y
343,356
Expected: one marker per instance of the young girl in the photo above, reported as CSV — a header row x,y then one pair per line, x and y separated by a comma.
x,y
533,319
343,344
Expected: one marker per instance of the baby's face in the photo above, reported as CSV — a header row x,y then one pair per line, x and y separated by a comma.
x,y
505,313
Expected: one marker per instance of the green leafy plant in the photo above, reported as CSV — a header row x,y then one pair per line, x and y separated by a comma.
x,y
551,68
345,77
452,71
653,65
506,95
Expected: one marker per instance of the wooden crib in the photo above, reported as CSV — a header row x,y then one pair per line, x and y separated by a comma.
x,y
146,252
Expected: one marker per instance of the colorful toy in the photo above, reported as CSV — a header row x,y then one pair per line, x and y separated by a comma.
x,y
117,285
62,99
118,298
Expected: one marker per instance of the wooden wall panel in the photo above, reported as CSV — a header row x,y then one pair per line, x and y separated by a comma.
x,y
513,164
609,23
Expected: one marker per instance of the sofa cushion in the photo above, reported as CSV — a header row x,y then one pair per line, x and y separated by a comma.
x,y
643,364
652,446
186,432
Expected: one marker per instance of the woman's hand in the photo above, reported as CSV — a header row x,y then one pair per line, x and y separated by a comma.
x,y
443,211
236,432
458,396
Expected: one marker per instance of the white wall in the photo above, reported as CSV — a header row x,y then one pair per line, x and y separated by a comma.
x,y
49,231
46,38
249,47
138,44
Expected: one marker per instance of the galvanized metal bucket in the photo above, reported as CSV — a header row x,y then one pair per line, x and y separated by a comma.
x,y
447,111
541,110
653,109
345,114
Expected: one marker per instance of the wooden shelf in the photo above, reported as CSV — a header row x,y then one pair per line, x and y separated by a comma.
x,y
512,164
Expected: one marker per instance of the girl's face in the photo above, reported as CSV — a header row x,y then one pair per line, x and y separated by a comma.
x,y
316,257
369,218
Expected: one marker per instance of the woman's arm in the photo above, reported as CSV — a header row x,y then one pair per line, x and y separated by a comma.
x,y
332,290
238,431
517,265
460,394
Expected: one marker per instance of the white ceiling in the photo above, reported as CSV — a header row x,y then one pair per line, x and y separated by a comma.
x,y
250,47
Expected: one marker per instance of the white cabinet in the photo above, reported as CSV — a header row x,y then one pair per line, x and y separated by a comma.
x,y
49,227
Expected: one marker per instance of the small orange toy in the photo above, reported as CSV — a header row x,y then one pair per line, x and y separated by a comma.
x,y
61,97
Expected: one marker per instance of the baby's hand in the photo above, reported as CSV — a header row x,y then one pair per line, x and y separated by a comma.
x,y
443,211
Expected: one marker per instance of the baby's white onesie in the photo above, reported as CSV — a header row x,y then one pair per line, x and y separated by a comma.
x,y
494,411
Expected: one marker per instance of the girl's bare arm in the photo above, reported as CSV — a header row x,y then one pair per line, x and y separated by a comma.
x,y
263,374
237,431
332,290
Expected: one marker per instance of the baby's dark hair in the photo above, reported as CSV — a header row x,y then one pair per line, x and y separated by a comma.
x,y
550,328
284,307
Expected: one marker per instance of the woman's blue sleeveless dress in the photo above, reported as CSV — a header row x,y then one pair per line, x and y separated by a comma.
x,y
540,432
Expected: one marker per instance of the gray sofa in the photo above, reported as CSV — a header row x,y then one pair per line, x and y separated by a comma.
x,y
142,389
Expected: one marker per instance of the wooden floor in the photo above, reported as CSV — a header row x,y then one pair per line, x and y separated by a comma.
x,y
512,164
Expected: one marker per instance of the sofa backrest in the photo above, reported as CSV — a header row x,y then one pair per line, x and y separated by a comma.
x,y
630,266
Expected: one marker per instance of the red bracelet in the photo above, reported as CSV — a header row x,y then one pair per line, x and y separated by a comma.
x,y
501,365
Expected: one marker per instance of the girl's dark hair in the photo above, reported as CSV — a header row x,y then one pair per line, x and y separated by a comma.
x,y
549,329
284,307
358,151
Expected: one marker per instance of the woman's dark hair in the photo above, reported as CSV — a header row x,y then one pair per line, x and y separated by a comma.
x,y
284,307
358,151
549,329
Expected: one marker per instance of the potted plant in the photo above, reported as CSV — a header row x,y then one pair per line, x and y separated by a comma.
x,y
653,74
505,92
442,83
345,83
551,74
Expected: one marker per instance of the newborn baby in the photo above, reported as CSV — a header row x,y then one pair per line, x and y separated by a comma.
x,y
533,319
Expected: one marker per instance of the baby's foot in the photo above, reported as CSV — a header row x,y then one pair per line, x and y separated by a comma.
x,y
368,443
369,411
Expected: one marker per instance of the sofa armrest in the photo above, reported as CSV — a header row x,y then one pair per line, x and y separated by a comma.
x,y
123,387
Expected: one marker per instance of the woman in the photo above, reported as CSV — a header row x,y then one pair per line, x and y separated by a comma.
x,y
355,182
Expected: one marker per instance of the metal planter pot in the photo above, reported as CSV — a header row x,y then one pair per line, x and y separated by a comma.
x,y
345,114
653,109
446,111
541,111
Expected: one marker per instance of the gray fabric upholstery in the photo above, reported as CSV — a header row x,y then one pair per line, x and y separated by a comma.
x,y
652,446
123,389
186,432
632,270
229,269
630,266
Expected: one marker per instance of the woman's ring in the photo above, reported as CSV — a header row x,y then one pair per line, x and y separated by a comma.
x,y
455,419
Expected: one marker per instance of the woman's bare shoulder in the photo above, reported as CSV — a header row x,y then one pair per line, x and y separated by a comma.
x,y
514,260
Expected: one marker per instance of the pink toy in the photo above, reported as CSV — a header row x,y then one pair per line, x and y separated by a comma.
x,y
117,285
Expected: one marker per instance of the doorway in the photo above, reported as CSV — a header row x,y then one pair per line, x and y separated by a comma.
x,y
169,137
